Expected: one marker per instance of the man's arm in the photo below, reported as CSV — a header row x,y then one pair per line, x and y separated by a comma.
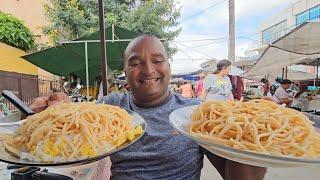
x,y
230,170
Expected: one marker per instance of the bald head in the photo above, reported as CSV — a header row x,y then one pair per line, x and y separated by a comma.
x,y
141,42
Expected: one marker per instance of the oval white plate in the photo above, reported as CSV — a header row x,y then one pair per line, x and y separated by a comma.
x,y
180,120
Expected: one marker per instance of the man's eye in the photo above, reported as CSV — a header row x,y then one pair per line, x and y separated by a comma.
x,y
158,60
134,63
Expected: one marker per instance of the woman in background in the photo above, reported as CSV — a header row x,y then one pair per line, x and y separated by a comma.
x,y
217,86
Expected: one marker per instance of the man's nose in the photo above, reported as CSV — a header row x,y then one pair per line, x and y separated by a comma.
x,y
148,68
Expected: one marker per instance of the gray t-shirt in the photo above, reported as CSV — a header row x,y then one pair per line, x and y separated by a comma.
x,y
218,88
161,153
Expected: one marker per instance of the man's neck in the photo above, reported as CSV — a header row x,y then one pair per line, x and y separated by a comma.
x,y
153,103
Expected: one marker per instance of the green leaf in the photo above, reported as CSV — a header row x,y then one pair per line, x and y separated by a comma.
x,y
14,32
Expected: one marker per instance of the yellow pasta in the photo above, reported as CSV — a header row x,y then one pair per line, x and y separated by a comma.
x,y
257,125
71,132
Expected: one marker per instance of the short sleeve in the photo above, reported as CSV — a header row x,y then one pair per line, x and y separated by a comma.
x,y
282,94
207,82
112,99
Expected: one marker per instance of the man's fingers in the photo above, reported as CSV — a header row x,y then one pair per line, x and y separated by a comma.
x,y
39,104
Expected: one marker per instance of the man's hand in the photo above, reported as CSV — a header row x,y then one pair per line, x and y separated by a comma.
x,y
41,103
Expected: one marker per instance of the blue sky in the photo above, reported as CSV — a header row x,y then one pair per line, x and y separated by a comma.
x,y
213,24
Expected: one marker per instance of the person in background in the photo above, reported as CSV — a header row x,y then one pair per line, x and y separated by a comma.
x,y
302,99
113,88
281,95
265,87
186,90
199,85
272,91
122,88
217,86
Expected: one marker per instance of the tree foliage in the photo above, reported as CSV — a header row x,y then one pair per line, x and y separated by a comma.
x,y
14,33
75,18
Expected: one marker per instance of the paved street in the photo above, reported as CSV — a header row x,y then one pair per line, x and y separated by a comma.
x,y
306,173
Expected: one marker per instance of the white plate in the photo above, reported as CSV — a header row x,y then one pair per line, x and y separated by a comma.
x,y
11,128
180,120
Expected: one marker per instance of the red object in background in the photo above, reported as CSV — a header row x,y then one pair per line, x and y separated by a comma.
x,y
199,87
237,86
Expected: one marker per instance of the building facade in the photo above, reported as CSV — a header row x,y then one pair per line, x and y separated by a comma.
x,y
32,13
282,23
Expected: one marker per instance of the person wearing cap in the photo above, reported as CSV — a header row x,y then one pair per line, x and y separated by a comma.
x,y
217,86
281,95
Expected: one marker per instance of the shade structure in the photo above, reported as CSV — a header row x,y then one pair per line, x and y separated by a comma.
x,y
298,45
70,57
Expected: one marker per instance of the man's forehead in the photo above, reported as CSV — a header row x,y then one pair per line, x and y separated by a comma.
x,y
140,44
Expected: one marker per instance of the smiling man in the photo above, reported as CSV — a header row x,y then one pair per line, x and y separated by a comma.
x,y
161,153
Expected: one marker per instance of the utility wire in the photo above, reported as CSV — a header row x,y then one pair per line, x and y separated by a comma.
x,y
196,50
202,11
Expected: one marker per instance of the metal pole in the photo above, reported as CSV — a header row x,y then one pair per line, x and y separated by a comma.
x,y
317,72
87,67
231,53
286,73
104,61
282,73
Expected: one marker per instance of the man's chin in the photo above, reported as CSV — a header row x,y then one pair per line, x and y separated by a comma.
x,y
147,95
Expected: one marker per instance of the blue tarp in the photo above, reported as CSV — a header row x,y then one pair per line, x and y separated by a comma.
x,y
191,77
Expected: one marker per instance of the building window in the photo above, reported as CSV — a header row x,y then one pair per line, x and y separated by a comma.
x,y
302,17
275,32
308,15
315,13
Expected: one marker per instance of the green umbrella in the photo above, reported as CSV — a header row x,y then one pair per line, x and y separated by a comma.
x,y
70,57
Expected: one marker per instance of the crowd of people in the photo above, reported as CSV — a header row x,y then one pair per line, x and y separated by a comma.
x,y
284,91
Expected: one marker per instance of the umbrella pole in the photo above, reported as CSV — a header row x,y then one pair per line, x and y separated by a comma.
x,y
103,48
87,68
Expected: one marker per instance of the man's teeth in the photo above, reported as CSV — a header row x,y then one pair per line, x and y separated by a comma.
x,y
150,80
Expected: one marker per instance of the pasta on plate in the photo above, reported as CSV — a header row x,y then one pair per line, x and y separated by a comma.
x,y
258,125
71,132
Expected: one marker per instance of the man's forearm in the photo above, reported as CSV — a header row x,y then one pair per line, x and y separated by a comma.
x,y
235,170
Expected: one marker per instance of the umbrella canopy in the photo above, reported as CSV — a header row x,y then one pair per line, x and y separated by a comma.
x,y
298,45
293,75
70,57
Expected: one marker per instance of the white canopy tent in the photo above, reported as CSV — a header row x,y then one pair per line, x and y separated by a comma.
x,y
293,75
295,47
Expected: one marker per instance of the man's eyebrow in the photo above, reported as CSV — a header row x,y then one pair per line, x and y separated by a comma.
x,y
158,55
132,57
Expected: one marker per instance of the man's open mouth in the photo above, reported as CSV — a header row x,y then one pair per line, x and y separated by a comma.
x,y
149,80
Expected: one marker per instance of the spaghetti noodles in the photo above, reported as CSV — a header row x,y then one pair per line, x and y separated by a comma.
x,y
258,125
71,132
